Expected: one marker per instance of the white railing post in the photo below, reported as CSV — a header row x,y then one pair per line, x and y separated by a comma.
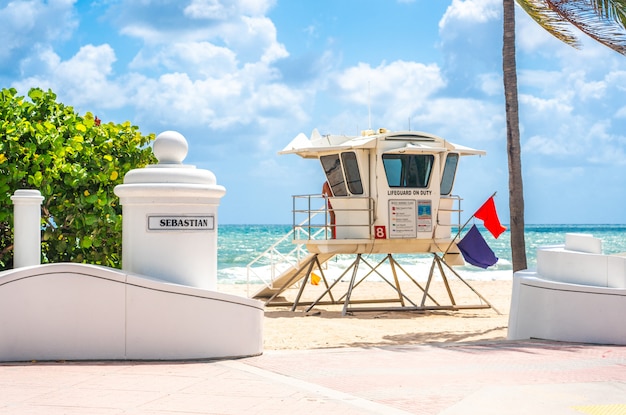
x,y
26,227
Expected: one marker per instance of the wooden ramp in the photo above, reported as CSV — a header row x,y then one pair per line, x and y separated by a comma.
x,y
293,275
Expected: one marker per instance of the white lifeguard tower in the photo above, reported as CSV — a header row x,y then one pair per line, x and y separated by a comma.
x,y
386,193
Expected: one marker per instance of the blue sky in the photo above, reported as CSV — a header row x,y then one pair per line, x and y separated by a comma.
x,y
240,78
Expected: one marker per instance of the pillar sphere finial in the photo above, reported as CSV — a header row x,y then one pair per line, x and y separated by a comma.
x,y
170,147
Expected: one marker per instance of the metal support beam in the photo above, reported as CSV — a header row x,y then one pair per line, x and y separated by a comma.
x,y
405,303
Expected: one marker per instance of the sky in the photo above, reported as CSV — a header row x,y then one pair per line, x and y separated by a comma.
x,y
241,78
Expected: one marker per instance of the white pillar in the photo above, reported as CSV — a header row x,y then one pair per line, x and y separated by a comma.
x,y
26,227
169,213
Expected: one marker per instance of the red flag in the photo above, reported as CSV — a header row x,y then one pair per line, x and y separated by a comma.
x,y
487,213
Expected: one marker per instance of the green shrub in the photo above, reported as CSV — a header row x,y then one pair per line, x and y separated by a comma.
x,y
75,162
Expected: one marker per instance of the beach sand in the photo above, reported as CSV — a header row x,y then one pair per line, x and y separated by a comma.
x,y
325,327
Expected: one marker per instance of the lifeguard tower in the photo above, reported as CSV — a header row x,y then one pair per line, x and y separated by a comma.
x,y
386,193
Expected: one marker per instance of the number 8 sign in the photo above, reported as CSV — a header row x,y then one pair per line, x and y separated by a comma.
x,y
380,232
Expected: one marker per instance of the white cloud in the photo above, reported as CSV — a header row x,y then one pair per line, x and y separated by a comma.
x,y
570,114
219,103
175,97
465,121
161,21
616,79
206,9
254,38
470,11
190,41
254,7
550,107
81,80
547,146
606,147
27,24
408,92
396,90
530,37
198,59
467,32
571,87
589,90
551,95
557,174
578,141
218,74
491,84
542,80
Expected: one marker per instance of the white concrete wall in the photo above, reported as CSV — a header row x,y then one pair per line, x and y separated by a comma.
x,y
551,310
85,312
576,294
560,265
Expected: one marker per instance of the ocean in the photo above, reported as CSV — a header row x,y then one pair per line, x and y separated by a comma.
x,y
239,245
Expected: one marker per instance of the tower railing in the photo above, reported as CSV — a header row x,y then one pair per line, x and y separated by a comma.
x,y
278,257
313,217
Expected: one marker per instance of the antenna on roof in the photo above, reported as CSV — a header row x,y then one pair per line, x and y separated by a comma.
x,y
369,106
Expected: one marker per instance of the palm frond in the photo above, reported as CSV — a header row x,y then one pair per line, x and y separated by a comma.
x,y
614,10
549,20
602,20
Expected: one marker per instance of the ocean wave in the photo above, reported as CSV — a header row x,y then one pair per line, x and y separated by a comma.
x,y
238,245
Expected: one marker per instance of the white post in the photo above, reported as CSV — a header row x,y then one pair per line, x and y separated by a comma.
x,y
26,227
169,210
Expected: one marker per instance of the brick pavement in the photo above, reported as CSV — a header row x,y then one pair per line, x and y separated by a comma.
x,y
449,379
431,379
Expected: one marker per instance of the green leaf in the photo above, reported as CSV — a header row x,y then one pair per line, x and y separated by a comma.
x,y
47,145
35,179
90,220
86,242
35,94
91,199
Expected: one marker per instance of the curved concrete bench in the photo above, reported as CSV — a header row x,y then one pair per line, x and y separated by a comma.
x,y
577,294
86,312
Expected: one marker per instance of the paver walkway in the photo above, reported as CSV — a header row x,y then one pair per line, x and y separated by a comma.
x,y
488,378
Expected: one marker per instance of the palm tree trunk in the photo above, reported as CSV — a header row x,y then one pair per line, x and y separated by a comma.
x,y
516,188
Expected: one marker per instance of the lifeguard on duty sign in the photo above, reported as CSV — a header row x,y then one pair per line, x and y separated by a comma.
x,y
181,223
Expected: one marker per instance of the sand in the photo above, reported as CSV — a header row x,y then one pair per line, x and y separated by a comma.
x,y
324,326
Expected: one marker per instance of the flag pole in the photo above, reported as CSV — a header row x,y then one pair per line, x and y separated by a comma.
x,y
464,225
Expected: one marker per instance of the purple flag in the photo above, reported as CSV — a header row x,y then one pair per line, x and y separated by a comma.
x,y
475,249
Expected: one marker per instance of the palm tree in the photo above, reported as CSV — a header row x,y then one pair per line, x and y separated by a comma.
x,y
603,21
